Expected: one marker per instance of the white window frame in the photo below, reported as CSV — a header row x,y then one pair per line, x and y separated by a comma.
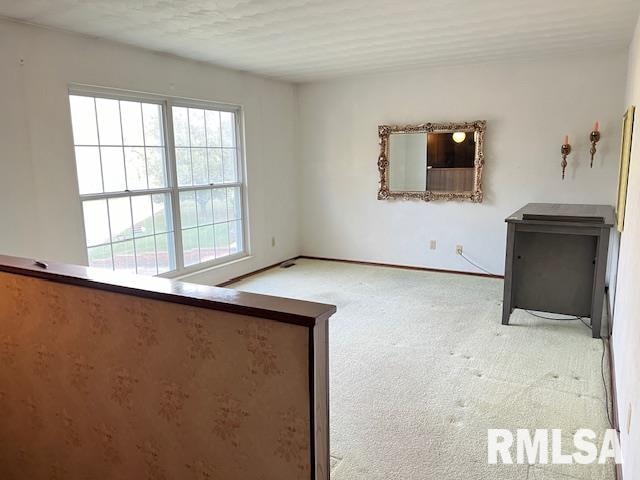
x,y
173,190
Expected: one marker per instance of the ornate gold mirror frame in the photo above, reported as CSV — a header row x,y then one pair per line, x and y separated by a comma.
x,y
475,195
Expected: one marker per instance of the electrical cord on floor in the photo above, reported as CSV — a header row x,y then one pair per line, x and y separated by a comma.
x,y
477,266
604,351
604,382
557,319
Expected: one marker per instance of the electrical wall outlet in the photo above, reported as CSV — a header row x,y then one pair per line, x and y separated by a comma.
x,y
273,241
458,249
432,244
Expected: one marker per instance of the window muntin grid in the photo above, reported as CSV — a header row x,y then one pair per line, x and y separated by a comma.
x,y
206,155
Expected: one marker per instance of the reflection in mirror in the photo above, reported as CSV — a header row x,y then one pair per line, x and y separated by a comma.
x,y
408,171
450,158
431,161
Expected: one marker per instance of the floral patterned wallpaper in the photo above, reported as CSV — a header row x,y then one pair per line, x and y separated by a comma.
x,y
101,385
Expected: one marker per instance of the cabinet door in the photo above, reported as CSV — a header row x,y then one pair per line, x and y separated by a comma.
x,y
553,272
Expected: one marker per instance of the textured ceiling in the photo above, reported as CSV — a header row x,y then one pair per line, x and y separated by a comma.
x,y
305,40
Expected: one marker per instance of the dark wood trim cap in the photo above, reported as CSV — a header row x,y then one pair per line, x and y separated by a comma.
x,y
286,310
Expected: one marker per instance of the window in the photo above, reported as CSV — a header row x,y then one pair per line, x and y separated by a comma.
x,y
157,199
208,183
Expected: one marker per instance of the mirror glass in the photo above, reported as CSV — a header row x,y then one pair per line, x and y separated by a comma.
x,y
436,162
408,166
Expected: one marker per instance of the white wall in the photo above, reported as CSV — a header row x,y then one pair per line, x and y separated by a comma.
x,y
528,106
39,206
626,326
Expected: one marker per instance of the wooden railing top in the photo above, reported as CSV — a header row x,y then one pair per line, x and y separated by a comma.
x,y
297,312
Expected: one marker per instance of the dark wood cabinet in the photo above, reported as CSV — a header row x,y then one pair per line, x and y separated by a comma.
x,y
556,260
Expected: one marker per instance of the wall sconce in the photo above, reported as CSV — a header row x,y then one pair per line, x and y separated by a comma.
x,y
565,150
594,137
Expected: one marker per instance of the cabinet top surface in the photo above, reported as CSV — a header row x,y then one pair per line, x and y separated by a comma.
x,y
587,215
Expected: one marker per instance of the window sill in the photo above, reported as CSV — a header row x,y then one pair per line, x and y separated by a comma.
x,y
205,267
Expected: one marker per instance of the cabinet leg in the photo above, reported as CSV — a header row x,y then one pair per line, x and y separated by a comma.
x,y
596,325
507,306
598,284
506,313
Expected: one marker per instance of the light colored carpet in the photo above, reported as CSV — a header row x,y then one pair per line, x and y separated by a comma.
x,y
421,367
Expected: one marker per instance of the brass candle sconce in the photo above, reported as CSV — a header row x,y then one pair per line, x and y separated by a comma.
x,y
594,137
565,150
